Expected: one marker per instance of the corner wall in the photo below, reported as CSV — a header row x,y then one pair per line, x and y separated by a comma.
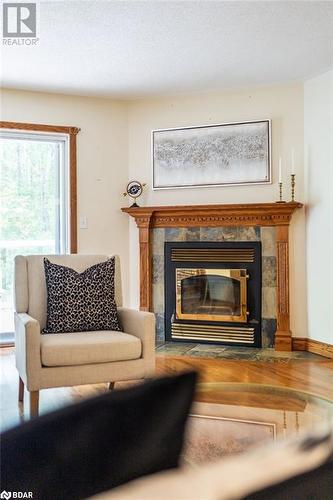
x,y
101,162
318,146
284,106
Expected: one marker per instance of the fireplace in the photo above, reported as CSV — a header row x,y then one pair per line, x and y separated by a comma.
x,y
197,221
213,292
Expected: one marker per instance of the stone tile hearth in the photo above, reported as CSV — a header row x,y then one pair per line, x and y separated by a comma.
x,y
227,352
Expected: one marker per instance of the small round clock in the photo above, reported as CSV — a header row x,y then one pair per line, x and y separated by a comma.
x,y
134,189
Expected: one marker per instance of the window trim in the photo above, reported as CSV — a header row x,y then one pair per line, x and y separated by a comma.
x,y
72,133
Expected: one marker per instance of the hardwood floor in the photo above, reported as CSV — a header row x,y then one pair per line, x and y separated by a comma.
x,y
313,376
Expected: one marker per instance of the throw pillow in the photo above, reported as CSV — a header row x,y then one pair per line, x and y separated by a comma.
x,y
80,302
100,443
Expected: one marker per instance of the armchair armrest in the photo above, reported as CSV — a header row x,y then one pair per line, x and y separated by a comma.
x,y
27,349
141,324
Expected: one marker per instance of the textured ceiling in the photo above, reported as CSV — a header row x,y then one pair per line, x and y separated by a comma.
x,y
130,49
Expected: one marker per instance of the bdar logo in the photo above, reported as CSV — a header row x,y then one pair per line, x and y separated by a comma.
x,y
5,494
16,494
19,20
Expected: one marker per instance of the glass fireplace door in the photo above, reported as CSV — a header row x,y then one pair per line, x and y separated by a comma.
x,y
211,294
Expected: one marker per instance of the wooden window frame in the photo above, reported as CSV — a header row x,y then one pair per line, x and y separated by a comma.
x,y
72,133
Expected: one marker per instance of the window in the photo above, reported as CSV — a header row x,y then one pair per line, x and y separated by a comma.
x,y
37,187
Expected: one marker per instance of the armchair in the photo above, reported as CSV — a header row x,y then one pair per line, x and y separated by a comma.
x,y
67,359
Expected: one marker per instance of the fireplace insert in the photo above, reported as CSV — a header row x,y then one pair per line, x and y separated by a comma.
x,y
213,292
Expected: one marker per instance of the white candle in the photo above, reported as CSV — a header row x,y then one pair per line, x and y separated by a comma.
x,y
293,161
280,170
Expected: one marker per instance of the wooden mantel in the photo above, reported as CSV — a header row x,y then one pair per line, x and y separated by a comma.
x,y
244,214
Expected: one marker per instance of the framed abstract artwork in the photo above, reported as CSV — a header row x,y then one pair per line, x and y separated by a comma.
x,y
212,155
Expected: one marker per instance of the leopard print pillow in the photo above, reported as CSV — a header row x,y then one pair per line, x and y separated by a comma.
x,y
80,302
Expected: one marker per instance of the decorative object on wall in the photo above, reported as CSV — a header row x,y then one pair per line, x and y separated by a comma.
x,y
212,155
134,189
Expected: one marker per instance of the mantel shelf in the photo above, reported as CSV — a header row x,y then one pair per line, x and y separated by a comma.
x,y
241,214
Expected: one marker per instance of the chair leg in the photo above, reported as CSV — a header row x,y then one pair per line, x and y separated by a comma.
x,y
21,390
34,403
111,386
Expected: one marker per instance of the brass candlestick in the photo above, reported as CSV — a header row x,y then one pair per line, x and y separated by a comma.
x,y
293,187
280,195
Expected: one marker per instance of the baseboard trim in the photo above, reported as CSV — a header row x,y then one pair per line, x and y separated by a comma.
x,y
299,344
314,346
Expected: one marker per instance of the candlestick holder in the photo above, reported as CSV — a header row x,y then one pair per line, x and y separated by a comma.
x,y
293,182
280,194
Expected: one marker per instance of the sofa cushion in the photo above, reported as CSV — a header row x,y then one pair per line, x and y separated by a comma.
x,y
82,348
80,301
99,443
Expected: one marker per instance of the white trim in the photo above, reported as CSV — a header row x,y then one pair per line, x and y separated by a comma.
x,y
62,140
32,135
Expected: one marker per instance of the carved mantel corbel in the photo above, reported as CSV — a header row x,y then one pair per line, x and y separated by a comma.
x,y
143,222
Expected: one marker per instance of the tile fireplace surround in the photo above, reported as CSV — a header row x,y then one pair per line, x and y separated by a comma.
x,y
265,222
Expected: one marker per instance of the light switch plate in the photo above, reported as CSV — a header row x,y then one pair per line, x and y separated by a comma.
x,y
83,222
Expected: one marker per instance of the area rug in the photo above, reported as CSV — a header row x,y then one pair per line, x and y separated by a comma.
x,y
229,418
211,437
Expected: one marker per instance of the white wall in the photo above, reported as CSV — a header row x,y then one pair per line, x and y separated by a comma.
x,y
114,146
284,105
318,142
101,162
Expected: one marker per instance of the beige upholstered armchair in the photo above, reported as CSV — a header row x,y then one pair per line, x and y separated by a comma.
x,y
59,360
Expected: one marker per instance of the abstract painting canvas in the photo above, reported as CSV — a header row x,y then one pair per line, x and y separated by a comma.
x,y
212,155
